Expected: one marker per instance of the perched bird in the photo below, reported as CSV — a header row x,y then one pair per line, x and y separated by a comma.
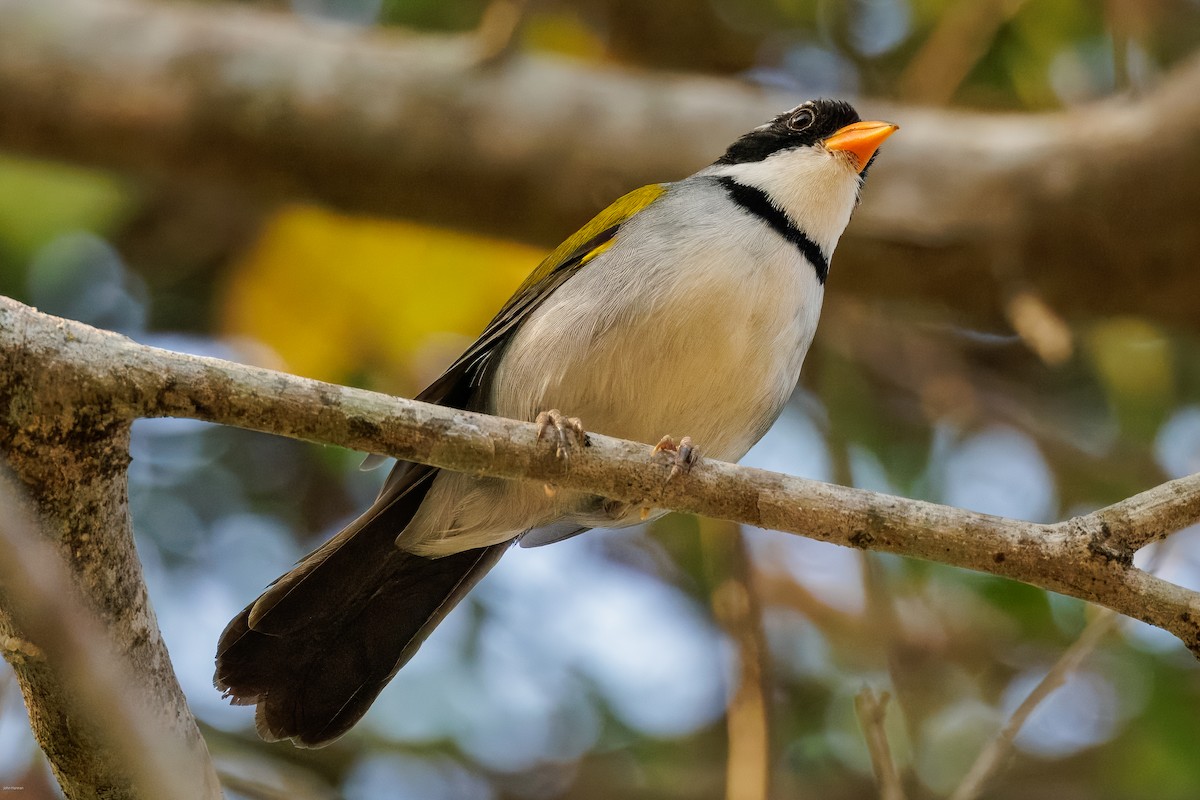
x,y
685,307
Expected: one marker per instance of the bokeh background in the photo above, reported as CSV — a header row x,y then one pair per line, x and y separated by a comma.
x,y
632,664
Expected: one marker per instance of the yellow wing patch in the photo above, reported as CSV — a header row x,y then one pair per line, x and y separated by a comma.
x,y
597,250
468,373
617,213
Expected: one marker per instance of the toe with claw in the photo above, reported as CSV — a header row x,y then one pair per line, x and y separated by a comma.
x,y
567,432
686,454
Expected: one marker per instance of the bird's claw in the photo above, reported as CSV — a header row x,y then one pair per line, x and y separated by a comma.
x,y
567,432
686,455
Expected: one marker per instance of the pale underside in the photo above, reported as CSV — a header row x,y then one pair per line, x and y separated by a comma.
x,y
699,329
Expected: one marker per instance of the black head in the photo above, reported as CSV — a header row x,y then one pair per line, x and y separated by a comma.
x,y
803,126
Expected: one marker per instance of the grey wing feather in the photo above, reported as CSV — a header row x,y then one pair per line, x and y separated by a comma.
x,y
550,534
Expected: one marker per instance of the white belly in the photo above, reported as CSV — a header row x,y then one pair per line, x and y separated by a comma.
x,y
709,348
699,330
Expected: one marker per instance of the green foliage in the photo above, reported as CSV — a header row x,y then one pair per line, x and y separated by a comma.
x,y
40,200
433,15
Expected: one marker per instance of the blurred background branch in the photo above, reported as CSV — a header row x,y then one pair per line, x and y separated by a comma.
x,y
992,756
1000,747
871,709
737,609
961,39
528,149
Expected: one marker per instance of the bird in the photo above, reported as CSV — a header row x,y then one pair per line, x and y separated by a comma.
x,y
683,306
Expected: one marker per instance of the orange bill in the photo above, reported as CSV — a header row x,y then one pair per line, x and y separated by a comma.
x,y
861,140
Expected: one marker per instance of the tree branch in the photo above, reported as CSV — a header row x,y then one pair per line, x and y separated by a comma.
x,y
993,754
966,209
47,356
997,750
871,710
122,749
736,608
68,450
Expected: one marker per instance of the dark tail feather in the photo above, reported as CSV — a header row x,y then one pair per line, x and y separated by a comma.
x,y
318,647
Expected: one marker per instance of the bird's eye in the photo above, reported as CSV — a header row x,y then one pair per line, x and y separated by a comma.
x,y
801,119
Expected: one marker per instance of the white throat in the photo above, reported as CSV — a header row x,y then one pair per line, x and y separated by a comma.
x,y
814,187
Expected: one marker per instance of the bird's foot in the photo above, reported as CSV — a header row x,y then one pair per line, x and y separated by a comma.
x,y
686,455
567,432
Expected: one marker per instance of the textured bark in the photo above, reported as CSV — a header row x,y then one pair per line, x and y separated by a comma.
x,y
1089,208
100,739
68,449
1088,557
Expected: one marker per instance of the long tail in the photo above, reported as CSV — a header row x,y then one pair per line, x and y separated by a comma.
x,y
315,650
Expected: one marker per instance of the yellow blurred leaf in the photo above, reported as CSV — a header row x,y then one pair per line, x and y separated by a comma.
x,y
564,32
337,296
1134,359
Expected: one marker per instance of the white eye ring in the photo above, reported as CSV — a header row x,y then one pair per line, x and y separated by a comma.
x,y
801,119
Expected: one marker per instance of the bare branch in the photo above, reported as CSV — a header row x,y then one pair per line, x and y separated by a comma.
x,y
989,760
69,452
1150,516
959,40
993,754
969,209
132,751
736,607
872,712
59,358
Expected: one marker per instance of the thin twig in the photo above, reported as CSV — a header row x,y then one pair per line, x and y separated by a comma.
x,y
872,713
499,29
881,610
398,124
736,607
258,790
994,753
962,37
